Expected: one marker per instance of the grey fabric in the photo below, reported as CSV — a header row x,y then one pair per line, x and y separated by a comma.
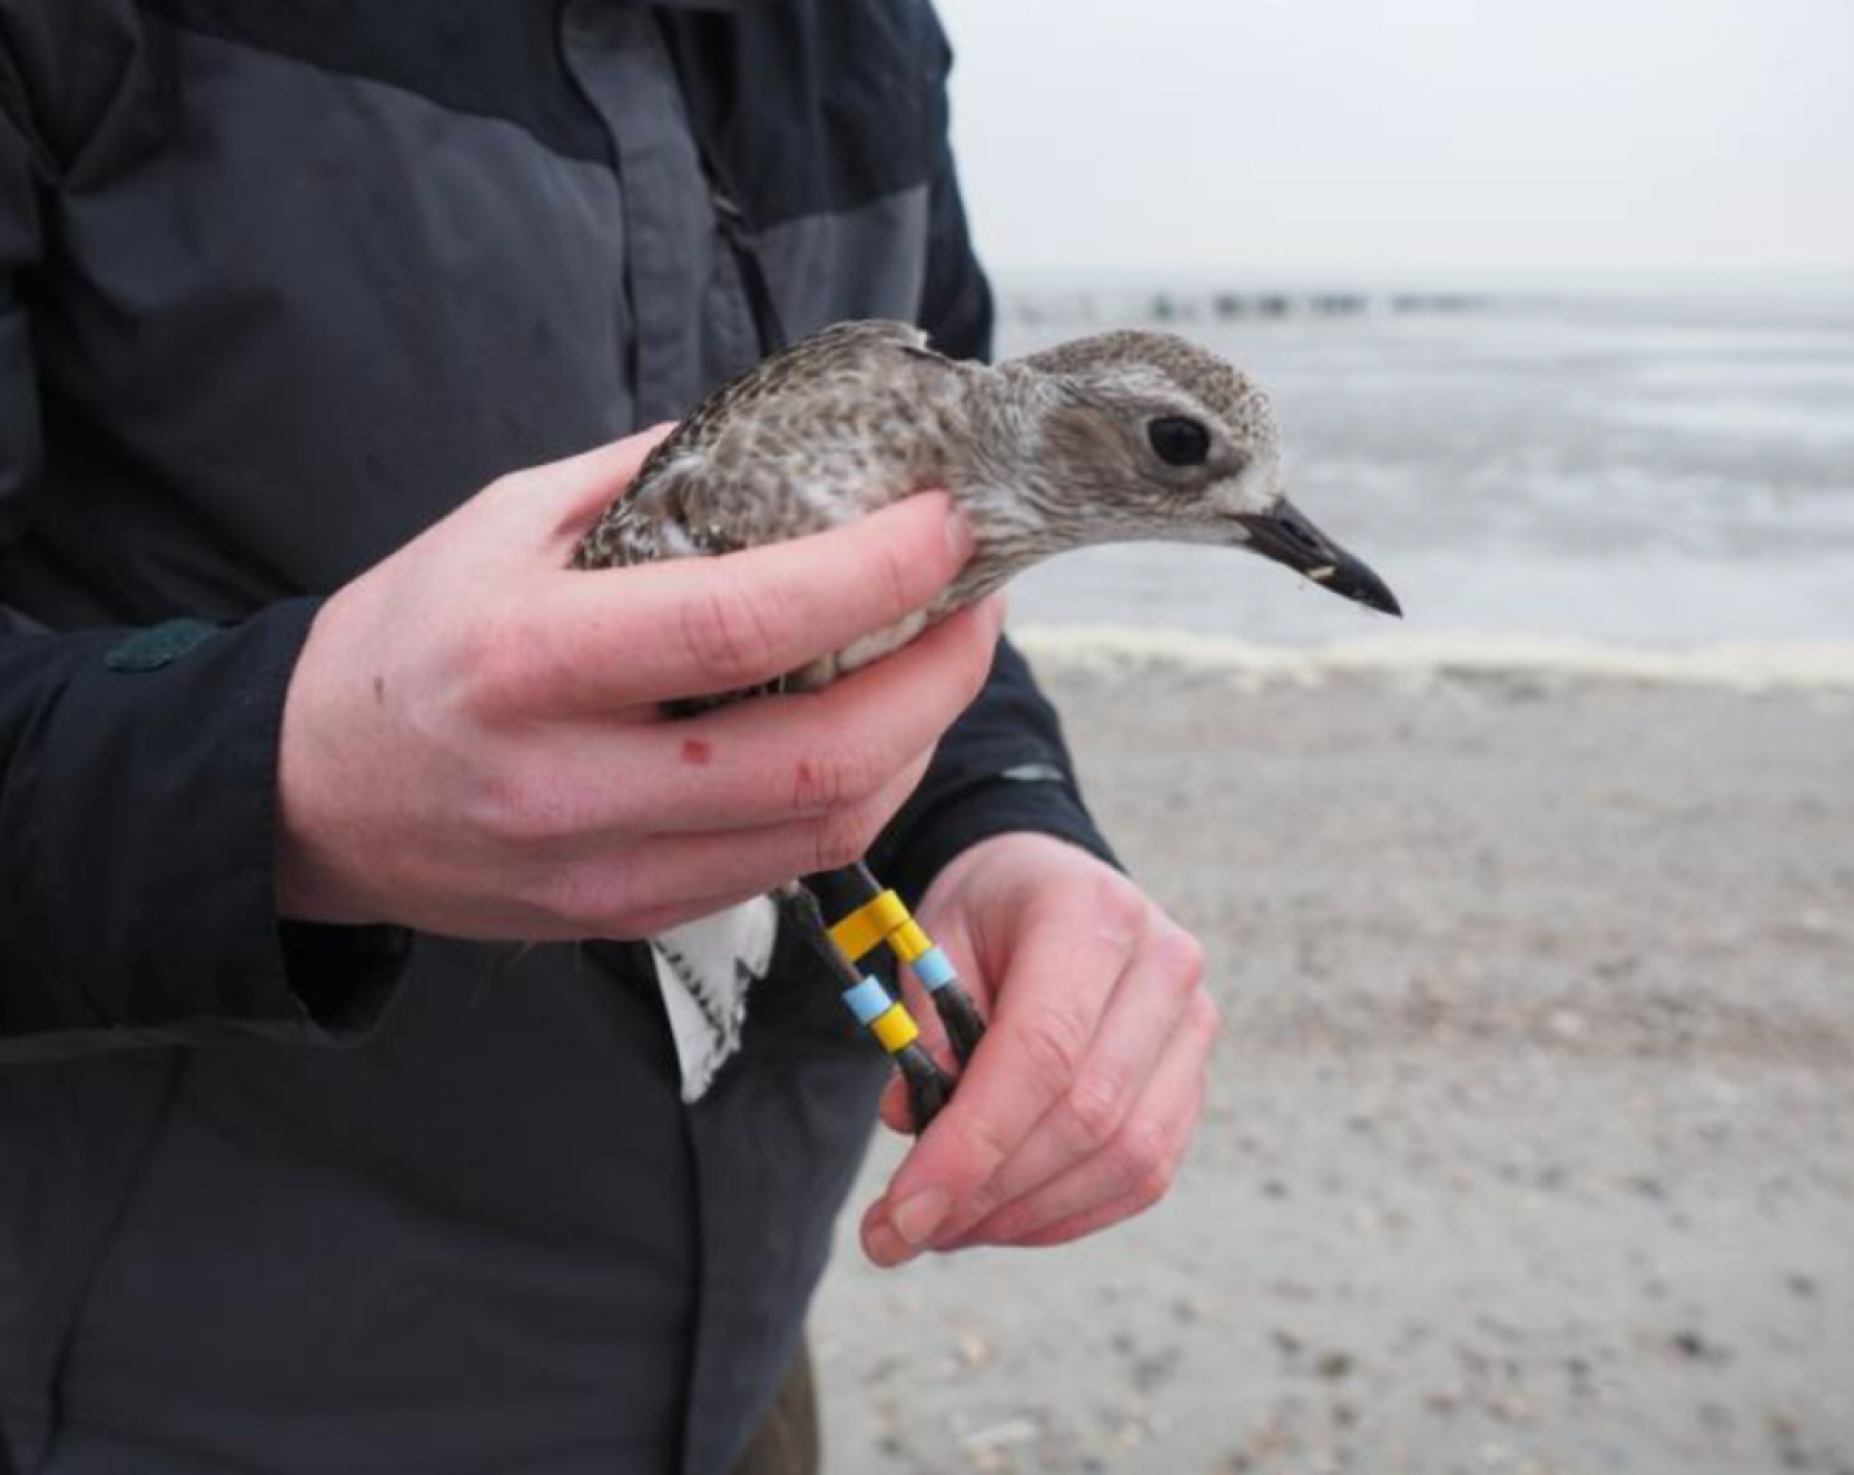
x,y
415,241
690,326
278,288
393,1278
875,251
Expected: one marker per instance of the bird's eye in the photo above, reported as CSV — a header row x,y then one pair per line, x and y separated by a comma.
x,y
1178,441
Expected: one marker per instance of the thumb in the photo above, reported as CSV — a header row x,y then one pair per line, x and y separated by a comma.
x,y
580,488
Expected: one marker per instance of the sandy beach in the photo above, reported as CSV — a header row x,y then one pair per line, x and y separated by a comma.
x,y
1532,1144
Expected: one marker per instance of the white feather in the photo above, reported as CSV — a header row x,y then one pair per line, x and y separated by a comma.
x,y
704,968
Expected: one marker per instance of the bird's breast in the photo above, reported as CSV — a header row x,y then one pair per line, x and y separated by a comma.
x,y
859,653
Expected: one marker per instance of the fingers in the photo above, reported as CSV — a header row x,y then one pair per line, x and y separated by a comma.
x,y
758,860
806,755
1131,1170
1059,981
705,626
592,890
581,487
1149,1005
473,744
812,758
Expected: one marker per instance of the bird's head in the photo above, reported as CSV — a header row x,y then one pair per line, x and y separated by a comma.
x,y
1145,435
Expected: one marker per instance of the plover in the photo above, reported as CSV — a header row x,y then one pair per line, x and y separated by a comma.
x,y
1121,437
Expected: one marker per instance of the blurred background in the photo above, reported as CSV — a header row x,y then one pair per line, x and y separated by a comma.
x,y
1532,1145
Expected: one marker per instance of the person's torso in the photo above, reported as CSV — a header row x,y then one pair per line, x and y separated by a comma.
x,y
315,275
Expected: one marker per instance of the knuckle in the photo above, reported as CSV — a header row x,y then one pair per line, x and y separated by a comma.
x,y
833,849
1154,1186
862,770
1206,1015
1096,1106
846,775
537,668
515,663
728,634
842,839
1052,1047
815,784
1119,909
1143,1161
492,807
573,895
490,667
523,813
593,900
982,1202
1179,960
988,1145
1188,959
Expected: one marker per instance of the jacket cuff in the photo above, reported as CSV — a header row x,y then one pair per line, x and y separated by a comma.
x,y
140,808
1003,807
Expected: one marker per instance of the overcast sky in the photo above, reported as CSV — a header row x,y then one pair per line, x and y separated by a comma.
x,y
1367,140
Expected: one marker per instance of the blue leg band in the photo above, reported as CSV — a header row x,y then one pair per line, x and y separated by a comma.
x,y
934,970
868,1001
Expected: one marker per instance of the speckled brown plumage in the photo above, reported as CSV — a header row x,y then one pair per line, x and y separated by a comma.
x,y
1046,453
806,439
1113,438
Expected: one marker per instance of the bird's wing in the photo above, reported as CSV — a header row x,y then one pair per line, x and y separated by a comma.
x,y
842,351
843,348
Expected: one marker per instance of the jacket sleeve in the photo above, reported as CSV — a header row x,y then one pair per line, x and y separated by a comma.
x,y
137,767
1004,765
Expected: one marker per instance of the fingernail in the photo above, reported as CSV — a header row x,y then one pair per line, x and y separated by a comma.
x,y
958,532
886,1247
916,1218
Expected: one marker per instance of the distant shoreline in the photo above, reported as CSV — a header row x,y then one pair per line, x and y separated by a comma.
x,y
1824,665
1030,302
1221,304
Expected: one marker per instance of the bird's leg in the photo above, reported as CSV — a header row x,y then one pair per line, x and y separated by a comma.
x,y
872,915
929,1087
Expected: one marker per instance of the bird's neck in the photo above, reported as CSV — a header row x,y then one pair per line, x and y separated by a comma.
x,y
1017,518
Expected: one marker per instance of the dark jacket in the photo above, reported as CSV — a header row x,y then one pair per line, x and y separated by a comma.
x,y
281,282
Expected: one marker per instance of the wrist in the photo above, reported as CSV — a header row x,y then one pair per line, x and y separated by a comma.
x,y
311,878
1010,849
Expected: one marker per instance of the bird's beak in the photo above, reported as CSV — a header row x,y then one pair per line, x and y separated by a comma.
x,y
1288,536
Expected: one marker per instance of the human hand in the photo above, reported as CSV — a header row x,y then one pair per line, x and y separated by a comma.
x,y
1077,1106
473,741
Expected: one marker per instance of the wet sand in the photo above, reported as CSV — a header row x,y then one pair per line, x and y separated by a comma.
x,y
1532,1143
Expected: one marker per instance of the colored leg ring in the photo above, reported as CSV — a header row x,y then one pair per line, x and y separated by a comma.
x,y
866,927
868,1001
935,970
896,1029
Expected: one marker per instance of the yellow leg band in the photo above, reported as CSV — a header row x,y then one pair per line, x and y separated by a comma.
x,y
864,928
896,1029
909,942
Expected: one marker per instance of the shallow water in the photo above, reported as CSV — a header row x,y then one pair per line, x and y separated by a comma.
x,y
1628,472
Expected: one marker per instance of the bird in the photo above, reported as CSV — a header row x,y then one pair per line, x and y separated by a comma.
x,y
1123,436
